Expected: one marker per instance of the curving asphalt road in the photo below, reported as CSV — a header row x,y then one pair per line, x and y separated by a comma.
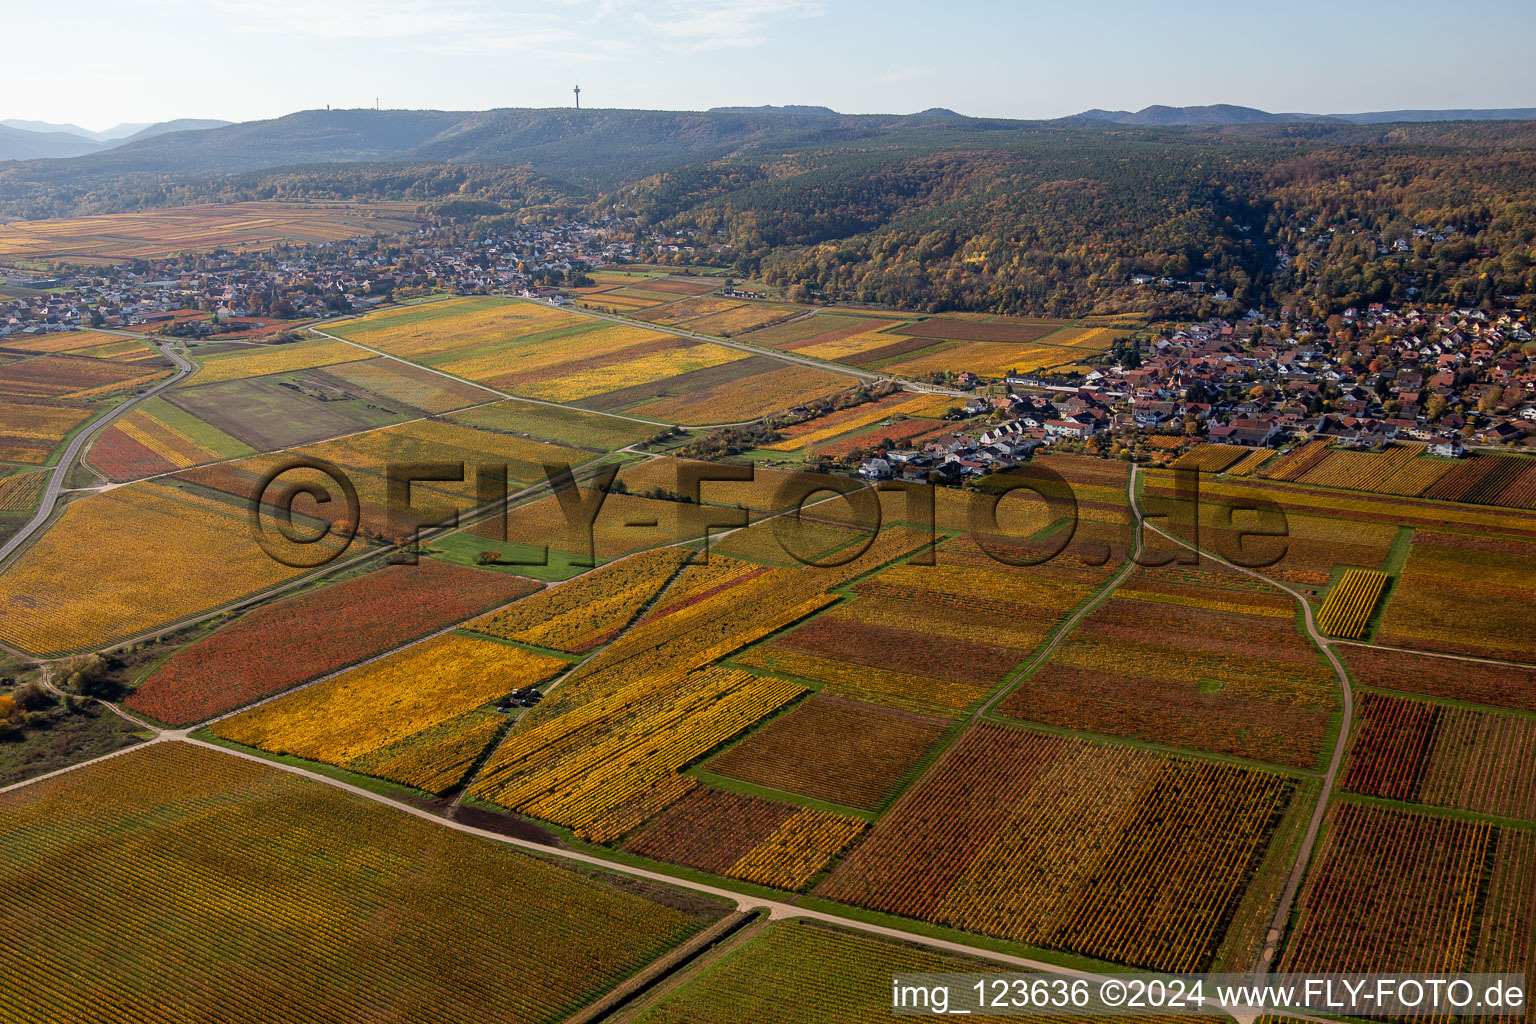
x,y
67,460
1330,778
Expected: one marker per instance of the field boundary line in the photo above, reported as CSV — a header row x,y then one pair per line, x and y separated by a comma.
x,y
1497,662
663,967
48,502
109,484
777,909
1087,607
504,396
1341,743
741,346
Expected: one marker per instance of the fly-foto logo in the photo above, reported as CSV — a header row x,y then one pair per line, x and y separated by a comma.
x,y
307,512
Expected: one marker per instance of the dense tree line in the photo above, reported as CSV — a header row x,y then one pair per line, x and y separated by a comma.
x,y
1014,217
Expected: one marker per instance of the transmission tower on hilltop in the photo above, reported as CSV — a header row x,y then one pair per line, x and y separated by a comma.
x,y
577,91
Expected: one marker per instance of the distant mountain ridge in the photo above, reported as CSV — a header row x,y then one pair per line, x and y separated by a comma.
x,y
580,153
523,135
583,147
1228,114
121,131
771,109
23,144
33,140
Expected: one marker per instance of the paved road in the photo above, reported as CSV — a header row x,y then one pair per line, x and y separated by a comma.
x,y
1493,662
1325,644
1066,628
66,462
777,910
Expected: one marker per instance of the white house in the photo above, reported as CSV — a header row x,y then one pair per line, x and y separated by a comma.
x,y
875,469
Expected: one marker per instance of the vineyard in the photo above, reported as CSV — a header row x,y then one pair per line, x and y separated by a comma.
x,y
75,378
625,523
825,428
438,758
1407,470
1359,508
157,437
1397,891
1498,685
856,342
832,750
21,491
887,436
1211,458
1250,463
1369,471
1350,603
879,647
1104,533
456,328
538,352
627,358
137,557
1106,851
990,358
763,542
726,608
1485,479
1201,658
366,459
395,381
1318,538
313,634
1298,462
441,441
349,718
631,291
821,328
777,386
31,428
681,310
577,768
261,362
1006,330
603,751
739,319
121,237
746,838
805,972
1445,756
588,610
86,343
1464,595
344,910
556,423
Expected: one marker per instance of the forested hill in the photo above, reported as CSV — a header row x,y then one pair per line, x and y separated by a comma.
x,y
589,150
929,211
1059,221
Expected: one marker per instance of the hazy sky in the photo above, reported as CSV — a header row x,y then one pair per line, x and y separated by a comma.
x,y
100,62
